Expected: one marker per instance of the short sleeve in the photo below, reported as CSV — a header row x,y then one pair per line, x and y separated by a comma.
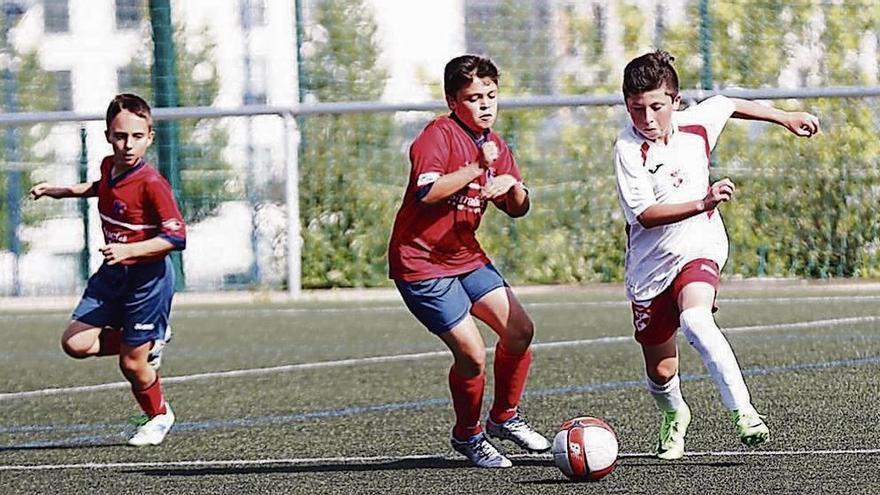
x,y
633,186
172,227
429,155
712,114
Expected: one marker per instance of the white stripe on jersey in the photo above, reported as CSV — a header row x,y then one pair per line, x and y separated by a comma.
x,y
129,226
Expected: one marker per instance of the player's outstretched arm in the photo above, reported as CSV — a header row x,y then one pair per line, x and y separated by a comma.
x,y
665,214
83,190
800,123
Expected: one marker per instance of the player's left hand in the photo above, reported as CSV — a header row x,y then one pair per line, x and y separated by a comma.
x,y
496,186
801,123
115,253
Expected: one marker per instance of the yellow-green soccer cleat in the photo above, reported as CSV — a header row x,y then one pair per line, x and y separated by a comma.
x,y
672,431
750,427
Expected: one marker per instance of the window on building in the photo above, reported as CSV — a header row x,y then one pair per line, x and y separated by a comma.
x,y
63,90
56,16
129,14
129,81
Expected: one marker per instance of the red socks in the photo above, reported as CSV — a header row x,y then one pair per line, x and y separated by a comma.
x,y
109,339
467,399
511,371
151,399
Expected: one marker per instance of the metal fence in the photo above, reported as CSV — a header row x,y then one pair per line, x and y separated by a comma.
x,y
287,197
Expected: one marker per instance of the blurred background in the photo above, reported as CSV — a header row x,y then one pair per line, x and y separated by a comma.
x,y
288,146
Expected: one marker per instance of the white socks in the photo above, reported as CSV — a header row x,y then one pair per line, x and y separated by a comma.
x,y
698,326
668,396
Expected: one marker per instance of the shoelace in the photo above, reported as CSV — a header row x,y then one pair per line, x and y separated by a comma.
x,y
485,450
517,423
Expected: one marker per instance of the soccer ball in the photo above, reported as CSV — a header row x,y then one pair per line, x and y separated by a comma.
x,y
585,449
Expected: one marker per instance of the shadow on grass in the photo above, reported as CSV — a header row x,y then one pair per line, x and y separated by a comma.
x,y
402,465
640,461
62,447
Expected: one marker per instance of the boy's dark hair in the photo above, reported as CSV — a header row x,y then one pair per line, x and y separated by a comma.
x,y
131,102
649,72
460,71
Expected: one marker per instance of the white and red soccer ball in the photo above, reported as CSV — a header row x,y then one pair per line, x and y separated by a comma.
x,y
585,449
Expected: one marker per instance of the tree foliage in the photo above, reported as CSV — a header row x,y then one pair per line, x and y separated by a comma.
x,y
804,208
33,92
351,174
207,178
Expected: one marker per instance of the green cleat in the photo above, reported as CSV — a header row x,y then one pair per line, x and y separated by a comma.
x,y
672,431
750,427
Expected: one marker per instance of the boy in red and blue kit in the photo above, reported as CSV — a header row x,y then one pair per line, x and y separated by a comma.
x,y
126,306
445,279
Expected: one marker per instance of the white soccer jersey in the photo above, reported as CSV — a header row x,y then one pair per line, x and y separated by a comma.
x,y
649,173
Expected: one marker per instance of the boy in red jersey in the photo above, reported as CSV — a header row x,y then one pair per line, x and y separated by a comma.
x,y
458,166
125,308
677,244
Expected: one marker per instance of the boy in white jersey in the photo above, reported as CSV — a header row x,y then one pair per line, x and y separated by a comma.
x,y
677,243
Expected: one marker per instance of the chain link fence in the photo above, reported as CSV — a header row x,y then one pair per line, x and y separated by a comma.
x,y
805,208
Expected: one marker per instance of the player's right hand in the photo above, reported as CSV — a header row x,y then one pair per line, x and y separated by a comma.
x,y
801,123
490,153
39,190
719,192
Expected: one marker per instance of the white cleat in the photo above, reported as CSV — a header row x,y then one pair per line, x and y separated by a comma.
x,y
480,452
519,432
153,430
750,427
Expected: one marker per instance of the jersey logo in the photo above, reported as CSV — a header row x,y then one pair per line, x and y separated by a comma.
x,y
677,179
144,326
119,207
655,169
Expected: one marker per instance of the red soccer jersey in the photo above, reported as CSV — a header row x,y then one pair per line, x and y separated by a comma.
x,y
138,205
439,240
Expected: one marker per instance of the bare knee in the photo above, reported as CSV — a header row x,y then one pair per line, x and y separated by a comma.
x,y
519,336
75,349
663,371
471,363
136,371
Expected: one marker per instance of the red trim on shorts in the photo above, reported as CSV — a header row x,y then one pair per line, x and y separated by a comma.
x,y
657,320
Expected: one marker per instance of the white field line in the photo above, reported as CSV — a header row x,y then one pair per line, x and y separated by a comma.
x,y
213,375
391,459
243,312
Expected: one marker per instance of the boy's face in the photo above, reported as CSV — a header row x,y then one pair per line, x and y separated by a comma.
x,y
651,112
130,135
476,104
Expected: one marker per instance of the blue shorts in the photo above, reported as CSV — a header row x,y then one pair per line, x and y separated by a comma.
x,y
134,298
441,303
